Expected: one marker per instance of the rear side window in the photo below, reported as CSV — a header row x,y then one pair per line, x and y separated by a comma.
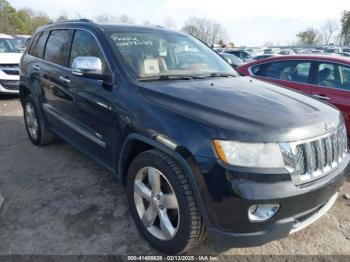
x,y
38,45
296,71
333,75
345,76
328,75
85,44
56,47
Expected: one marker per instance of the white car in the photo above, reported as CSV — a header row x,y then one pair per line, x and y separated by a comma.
x,y
10,55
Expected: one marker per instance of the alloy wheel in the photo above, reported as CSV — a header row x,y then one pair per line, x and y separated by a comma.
x,y
32,121
156,203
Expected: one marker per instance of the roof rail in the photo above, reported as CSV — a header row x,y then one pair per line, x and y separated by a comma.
x,y
85,20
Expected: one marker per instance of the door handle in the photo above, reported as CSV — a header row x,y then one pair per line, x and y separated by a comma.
x,y
104,105
321,97
36,67
64,79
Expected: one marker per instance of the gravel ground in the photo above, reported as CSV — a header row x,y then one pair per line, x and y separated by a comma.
x,y
57,201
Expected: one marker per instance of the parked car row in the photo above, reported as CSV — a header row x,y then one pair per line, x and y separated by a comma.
x,y
10,55
250,54
199,147
324,77
233,60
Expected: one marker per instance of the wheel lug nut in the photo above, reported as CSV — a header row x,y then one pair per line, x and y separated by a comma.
x,y
158,197
161,207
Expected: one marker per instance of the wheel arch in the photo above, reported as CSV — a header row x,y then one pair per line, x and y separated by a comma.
x,y
23,92
137,143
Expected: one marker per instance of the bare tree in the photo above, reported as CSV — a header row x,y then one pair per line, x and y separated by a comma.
x,y
168,22
268,44
329,31
146,23
65,16
309,37
204,29
345,30
108,18
62,16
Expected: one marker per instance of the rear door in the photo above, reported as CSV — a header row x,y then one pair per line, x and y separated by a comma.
x,y
288,73
31,62
332,84
58,102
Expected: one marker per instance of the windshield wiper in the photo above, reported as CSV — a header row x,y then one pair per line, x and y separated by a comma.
x,y
185,77
216,74
166,77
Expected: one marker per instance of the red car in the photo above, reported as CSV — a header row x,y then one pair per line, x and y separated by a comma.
x,y
325,77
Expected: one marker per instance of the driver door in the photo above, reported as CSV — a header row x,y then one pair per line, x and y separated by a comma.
x,y
93,115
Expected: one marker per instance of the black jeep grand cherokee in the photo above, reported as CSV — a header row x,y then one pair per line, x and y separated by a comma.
x,y
199,148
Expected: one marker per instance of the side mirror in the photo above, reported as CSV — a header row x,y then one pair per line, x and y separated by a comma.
x,y
88,66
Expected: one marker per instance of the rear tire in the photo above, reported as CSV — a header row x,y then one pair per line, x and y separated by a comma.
x,y
35,126
186,229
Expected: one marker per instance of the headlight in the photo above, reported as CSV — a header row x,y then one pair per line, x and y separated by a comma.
x,y
262,155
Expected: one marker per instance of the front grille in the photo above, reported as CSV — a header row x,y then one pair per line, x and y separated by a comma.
x,y
10,84
10,69
317,157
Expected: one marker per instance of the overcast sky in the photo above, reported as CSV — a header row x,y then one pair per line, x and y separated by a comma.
x,y
250,22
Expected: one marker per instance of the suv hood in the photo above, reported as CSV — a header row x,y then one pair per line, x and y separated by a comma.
x,y
10,58
246,109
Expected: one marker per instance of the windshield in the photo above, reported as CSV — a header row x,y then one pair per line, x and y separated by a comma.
x,y
156,54
8,45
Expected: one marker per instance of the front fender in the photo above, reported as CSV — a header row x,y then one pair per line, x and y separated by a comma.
x,y
181,155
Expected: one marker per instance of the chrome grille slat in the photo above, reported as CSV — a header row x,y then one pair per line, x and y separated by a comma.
x,y
335,147
320,154
314,158
310,159
314,153
329,151
300,166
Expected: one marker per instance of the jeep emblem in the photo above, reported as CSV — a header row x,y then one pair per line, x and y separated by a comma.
x,y
329,126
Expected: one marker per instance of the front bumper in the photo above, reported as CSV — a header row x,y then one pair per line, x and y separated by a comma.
x,y
9,84
14,89
278,230
230,194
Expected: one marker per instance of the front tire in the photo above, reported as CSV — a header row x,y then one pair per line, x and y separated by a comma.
x,y
36,129
162,203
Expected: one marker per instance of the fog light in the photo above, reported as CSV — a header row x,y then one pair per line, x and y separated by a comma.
x,y
262,212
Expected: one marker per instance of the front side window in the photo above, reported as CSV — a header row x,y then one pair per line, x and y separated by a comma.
x,y
56,47
38,45
333,75
9,45
85,44
296,71
156,54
